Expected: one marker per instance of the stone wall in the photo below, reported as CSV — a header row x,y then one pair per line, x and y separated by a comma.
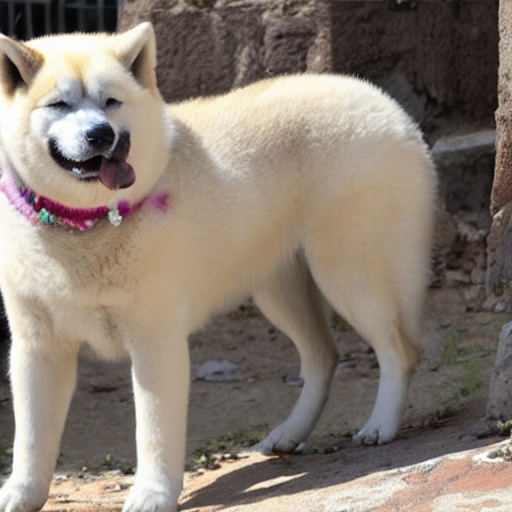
x,y
440,58
209,47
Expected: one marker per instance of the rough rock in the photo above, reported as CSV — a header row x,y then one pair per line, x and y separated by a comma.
x,y
465,165
499,271
499,251
499,405
465,481
502,188
459,481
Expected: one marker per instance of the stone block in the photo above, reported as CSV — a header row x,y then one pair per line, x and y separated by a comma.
x,y
502,187
447,51
499,270
465,165
499,405
499,252
287,42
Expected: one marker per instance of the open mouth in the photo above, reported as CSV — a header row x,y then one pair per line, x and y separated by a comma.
x,y
112,169
84,170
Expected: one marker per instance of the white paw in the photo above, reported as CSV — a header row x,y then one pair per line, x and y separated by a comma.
x,y
279,440
149,498
22,497
373,433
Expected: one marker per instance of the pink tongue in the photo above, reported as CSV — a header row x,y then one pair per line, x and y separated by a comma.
x,y
116,174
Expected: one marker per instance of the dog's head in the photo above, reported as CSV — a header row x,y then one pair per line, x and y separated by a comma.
x,y
81,118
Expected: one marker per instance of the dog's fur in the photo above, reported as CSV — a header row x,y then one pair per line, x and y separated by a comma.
x,y
289,190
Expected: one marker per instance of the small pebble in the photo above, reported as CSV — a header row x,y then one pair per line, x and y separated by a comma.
x,y
293,381
218,371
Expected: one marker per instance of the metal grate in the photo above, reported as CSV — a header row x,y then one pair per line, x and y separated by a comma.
x,y
24,19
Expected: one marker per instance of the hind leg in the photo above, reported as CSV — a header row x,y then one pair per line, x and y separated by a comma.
x,y
397,359
382,301
294,305
378,320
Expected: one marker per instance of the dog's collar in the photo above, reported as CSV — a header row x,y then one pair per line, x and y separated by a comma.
x,y
39,209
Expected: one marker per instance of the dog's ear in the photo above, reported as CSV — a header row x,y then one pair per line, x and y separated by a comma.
x,y
136,49
18,64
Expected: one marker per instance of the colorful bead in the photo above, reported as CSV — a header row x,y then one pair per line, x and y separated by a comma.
x,y
114,217
46,216
124,208
37,204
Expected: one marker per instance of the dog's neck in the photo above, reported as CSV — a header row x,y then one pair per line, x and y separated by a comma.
x,y
38,209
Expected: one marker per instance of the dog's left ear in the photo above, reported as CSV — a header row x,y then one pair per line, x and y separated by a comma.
x,y
18,64
136,49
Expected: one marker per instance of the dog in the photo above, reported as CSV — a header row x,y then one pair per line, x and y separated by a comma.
x,y
125,223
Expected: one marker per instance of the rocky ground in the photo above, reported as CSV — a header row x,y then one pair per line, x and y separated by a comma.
x,y
445,416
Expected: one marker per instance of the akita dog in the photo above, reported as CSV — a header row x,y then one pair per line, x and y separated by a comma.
x,y
125,223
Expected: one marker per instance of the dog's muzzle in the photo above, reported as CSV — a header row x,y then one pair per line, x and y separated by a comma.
x,y
108,165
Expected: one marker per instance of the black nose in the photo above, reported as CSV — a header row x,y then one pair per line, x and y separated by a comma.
x,y
100,136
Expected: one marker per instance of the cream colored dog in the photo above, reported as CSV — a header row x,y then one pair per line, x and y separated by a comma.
x,y
125,223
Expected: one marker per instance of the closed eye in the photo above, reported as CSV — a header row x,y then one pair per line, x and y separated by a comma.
x,y
112,102
59,104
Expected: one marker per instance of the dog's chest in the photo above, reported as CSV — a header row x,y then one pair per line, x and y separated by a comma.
x,y
87,286
93,269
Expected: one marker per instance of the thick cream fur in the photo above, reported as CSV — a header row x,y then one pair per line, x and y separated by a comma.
x,y
289,190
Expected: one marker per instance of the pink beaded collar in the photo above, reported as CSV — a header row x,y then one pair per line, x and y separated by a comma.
x,y
39,209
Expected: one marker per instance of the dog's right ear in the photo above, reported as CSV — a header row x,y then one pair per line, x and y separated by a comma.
x,y
136,49
18,64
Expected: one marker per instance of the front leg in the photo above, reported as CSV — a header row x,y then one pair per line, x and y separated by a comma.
x,y
43,377
161,381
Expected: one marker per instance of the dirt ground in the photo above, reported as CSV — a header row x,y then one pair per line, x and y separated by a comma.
x,y
445,412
